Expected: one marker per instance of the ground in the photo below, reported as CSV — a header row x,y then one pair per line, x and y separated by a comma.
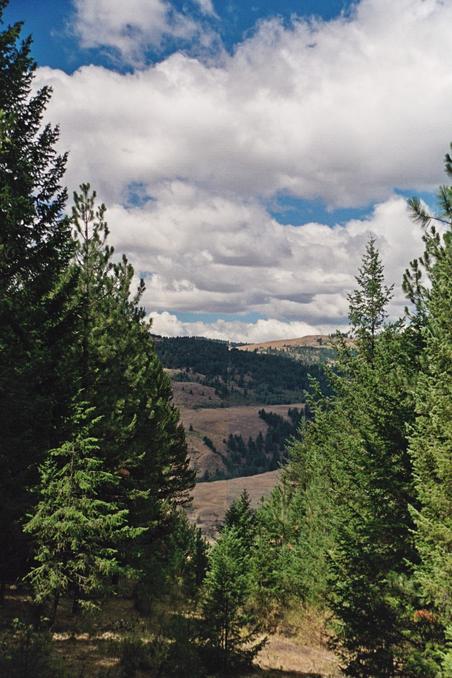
x,y
87,647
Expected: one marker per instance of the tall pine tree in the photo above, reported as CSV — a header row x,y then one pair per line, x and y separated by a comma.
x,y
353,477
35,247
117,367
431,440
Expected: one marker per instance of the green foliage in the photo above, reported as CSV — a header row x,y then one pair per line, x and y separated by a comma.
x,y
352,482
243,518
175,569
115,362
35,247
367,303
431,439
277,566
230,629
25,652
76,532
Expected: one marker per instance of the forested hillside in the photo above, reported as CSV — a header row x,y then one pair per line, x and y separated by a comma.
x,y
237,376
101,572
240,437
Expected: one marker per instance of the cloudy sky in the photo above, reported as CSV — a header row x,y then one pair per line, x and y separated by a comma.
x,y
246,149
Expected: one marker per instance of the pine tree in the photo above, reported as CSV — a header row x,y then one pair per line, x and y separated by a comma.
x,y
278,559
431,440
242,517
35,247
230,629
116,364
353,480
77,533
368,302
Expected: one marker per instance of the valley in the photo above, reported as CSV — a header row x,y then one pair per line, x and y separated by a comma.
x,y
240,404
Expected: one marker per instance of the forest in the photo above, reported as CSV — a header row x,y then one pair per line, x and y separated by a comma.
x,y
95,546
239,376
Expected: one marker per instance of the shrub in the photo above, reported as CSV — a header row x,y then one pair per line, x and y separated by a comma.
x,y
25,652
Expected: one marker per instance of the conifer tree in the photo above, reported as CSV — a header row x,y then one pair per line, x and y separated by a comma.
x,y
139,433
77,532
230,628
431,440
35,247
368,302
241,516
353,480
278,559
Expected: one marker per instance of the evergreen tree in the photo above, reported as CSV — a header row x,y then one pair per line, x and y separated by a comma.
x,y
367,303
431,440
275,570
115,363
242,517
354,480
230,628
35,247
77,532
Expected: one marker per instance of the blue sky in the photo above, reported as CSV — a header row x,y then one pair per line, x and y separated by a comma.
x,y
55,44
247,150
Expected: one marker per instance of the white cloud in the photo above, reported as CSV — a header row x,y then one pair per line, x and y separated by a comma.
x,y
129,27
345,110
206,6
270,329
208,253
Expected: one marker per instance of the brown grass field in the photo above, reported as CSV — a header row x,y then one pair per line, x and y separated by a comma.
x,y
211,500
217,424
311,340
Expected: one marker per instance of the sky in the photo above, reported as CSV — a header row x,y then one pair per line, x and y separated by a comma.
x,y
246,151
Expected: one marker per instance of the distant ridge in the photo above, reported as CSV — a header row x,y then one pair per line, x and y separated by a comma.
x,y
310,341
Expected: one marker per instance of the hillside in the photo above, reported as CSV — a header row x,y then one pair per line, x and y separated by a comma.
x,y
238,377
238,441
310,341
238,408
211,500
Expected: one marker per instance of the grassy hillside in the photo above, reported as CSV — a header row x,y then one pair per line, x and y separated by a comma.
x,y
238,407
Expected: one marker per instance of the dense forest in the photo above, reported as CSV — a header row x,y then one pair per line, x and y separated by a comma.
x,y
239,376
95,473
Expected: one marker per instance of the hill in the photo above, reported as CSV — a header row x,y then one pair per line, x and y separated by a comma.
x,y
238,406
239,441
311,341
211,500
238,377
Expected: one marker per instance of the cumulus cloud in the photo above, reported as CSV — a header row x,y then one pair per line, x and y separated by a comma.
x,y
207,253
188,154
169,325
344,110
130,27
